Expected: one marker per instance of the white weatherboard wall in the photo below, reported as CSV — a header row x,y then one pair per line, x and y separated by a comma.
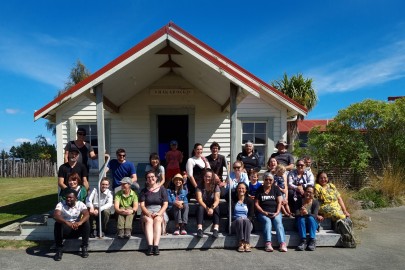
x,y
255,108
130,129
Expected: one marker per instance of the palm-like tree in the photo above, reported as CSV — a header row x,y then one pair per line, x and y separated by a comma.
x,y
299,89
77,74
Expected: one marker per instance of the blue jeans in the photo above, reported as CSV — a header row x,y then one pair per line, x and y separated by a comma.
x,y
305,223
278,224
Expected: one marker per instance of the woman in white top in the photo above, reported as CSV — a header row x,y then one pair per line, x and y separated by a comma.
x,y
195,168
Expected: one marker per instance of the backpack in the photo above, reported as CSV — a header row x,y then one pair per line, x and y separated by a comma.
x,y
345,228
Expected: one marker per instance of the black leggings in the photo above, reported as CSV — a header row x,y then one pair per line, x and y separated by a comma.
x,y
201,213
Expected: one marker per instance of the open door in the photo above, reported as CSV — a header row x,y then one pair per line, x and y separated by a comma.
x,y
173,127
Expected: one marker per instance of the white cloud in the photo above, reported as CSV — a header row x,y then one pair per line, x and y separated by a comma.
x,y
21,140
38,56
382,65
12,111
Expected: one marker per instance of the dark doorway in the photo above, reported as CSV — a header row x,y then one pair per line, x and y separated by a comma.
x,y
173,127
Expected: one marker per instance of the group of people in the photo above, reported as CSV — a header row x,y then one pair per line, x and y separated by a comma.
x,y
284,190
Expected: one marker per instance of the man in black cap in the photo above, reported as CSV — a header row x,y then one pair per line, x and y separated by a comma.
x,y
282,156
72,166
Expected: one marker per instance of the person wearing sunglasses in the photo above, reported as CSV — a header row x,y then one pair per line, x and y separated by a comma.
x,y
298,180
85,148
236,176
120,168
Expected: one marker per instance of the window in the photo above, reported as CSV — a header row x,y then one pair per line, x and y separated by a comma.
x,y
256,132
91,137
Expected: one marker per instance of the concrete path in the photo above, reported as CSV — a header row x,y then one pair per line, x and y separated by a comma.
x,y
382,247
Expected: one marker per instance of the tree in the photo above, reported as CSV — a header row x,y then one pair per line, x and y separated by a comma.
x,y
34,151
78,73
301,90
364,130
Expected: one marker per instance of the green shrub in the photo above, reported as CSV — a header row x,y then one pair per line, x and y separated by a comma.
x,y
376,196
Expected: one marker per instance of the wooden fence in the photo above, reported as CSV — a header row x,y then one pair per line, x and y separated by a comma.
x,y
37,168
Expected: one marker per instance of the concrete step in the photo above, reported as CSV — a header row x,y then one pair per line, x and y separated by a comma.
x,y
289,225
138,242
13,229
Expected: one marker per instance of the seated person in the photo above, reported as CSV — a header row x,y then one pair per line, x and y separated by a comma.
x,y
208,203
331,204
125,205
178,204
306,217
75,183
282,156
242,217
154,165
249,158
120,168
71,221
298,179
236,176
268,206
153,201
254,184
106,201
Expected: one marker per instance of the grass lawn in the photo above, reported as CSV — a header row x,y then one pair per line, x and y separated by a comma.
x,y
23,197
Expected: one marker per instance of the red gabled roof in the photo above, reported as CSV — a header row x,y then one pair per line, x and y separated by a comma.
x,y
190,41
307,125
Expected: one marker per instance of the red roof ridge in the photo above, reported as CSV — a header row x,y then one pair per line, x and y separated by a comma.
x,y
173,30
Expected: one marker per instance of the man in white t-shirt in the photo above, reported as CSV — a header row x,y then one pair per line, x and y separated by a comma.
x,y
72,221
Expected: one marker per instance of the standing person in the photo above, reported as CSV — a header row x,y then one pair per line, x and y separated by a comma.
x,y
282,156
280,180
121,168
306,218
154,165
85,148
72,166
208,203
102,208
178,204
268,205
75,183
195,168
71,221
249,158
174,158
243,213
217,162
125,205
153,201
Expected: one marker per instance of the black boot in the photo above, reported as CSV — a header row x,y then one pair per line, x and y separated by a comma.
x,y
85,253
156,250
58,254
150,250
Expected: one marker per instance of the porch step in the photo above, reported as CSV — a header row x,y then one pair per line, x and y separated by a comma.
x,y
169,242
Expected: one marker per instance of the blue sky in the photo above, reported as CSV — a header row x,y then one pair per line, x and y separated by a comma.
x,y
352,49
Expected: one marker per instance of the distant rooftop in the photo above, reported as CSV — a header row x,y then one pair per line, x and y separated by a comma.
x,y
307,125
